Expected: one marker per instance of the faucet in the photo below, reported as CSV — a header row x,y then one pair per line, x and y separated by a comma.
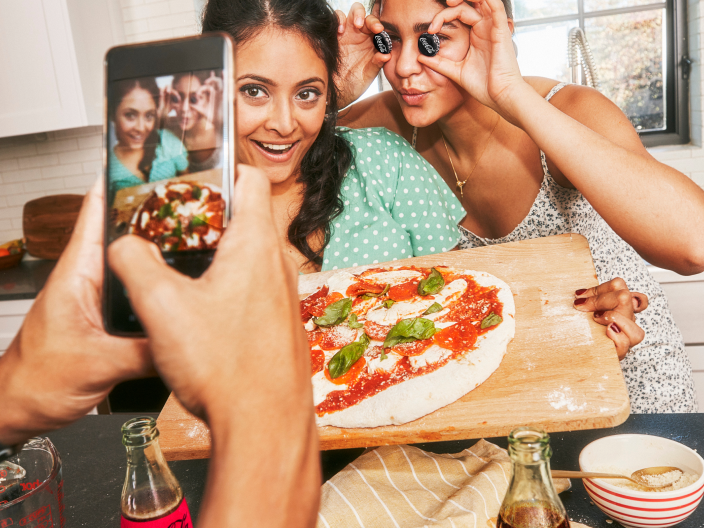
x,y
580,54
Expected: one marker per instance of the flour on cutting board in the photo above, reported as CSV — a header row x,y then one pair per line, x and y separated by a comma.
x,y
566,322
563,398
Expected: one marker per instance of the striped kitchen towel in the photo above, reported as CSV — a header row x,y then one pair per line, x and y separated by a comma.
x,y
406,487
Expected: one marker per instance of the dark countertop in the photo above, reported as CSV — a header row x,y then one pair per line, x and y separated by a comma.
x,y
94,465
26,280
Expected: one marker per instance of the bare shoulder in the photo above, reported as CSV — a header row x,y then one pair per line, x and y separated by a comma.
x,y
593,110
380,110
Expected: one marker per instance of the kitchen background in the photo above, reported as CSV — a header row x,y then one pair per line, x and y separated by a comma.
x,y
63,153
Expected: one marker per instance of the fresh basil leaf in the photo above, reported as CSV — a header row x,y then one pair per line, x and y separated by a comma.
x,y
197,193
198,220
434,308
342,362
409,330
388,303
432,285
165,210
368,296
383,355
491,320
353,323
178,231
335,313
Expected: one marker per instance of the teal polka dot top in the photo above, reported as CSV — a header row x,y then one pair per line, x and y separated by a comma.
x,y
396,205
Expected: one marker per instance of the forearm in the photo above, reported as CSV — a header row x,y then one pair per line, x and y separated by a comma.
x,y
265,471
656,209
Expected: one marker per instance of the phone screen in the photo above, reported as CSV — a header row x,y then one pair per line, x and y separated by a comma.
x,y
168,163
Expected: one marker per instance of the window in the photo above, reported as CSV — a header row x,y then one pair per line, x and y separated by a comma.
x,y
640,51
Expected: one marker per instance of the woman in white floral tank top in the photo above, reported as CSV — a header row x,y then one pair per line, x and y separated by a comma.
x,y
529,157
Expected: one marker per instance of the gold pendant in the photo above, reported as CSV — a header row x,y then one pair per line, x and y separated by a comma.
x,y
460,185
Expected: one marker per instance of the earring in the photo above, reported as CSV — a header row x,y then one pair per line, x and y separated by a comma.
x,y
515,48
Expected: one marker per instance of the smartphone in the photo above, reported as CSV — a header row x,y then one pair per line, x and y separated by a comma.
x,y
169,155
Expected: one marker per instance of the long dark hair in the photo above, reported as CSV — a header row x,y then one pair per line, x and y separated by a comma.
x,y
324,166
120,89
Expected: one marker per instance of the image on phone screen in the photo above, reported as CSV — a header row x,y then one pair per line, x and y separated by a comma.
x,y
165,160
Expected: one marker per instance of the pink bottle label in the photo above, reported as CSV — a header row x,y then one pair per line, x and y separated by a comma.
x,y
181,518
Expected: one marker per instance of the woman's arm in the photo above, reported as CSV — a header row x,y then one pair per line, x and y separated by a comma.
x,y
653,207
656,209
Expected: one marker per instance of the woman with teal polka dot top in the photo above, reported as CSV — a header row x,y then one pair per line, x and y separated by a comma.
x,y
396,205
340,198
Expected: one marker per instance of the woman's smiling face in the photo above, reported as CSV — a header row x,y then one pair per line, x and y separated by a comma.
x,y
281,101
135,118
424,95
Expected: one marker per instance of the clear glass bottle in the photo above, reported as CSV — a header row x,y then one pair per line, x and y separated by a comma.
x,y
151,496
531,500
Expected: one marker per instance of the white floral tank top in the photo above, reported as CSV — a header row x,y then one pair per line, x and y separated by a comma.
x,y
657,371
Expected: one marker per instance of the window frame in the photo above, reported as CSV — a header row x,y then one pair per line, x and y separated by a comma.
x,y
676,93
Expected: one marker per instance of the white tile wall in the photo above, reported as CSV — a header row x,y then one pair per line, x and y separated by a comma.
x,y
68,161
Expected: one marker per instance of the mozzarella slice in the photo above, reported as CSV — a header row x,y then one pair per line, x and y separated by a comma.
x,y
211,237
160,191
310,325
432,355
340,282
386,365
392,277
322,387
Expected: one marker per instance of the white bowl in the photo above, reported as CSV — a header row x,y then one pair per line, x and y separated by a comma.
x,y
633,452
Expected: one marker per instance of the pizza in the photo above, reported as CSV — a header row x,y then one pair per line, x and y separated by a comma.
x,y
389,346
180,216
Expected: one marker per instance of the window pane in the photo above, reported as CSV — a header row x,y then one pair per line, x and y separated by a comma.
x,y
629,60
529,9
598,5
542,50
344,5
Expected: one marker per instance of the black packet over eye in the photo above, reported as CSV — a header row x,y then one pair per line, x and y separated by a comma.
x,y
382,42
429,45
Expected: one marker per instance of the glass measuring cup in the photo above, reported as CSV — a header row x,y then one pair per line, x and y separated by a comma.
x,y
31,487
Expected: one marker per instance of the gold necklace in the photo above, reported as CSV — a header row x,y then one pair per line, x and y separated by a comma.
x,y
461,184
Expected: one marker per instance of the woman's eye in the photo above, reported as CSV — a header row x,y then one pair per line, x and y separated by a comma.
x,y
308,95
193,99
131,115
253,91
394,38
443,38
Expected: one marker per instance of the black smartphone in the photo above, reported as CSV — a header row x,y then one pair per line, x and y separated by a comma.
x,y
169,155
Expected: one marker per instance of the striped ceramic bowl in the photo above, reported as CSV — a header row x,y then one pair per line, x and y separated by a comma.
x,y
631,453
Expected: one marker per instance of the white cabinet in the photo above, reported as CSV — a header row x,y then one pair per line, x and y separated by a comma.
x,y
51,62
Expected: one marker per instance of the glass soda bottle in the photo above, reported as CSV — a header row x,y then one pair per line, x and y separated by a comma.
x,y
531,500
151,496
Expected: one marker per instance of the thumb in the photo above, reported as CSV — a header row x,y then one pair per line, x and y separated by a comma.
x,y
140,267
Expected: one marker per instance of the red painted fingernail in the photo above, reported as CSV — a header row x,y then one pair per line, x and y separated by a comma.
x,y
599,314
579,302
580,292
615,328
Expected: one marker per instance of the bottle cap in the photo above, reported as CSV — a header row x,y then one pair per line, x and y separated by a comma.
x,y
382,42
429,45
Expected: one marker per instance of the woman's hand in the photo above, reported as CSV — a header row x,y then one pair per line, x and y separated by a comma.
x,y
615,306
361,61
489,72
166,104
209,97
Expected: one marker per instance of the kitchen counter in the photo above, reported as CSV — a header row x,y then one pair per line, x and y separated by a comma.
x,y
26,280
94,465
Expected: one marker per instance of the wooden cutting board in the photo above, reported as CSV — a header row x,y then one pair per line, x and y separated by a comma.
x,y
48,223
560,372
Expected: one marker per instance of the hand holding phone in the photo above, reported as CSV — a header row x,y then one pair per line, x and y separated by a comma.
x,y
169,171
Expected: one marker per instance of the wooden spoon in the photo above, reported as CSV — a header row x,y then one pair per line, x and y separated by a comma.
x,y
638,477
